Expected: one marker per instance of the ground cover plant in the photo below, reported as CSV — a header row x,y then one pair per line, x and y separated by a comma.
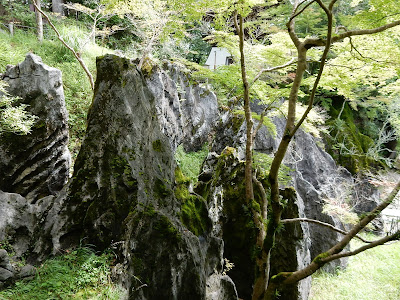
x,y
78,274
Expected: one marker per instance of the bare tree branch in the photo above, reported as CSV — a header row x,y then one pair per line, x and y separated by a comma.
x,y
382,241
323,258
77,56
350,33
330,226
297,13
264,208
262,71
291,29
328,13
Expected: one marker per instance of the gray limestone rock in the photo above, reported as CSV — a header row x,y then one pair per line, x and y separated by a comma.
x,y
187,111
220,287
38,164
315,177
222,184
5,274
26,271
17,221
5,261
125,194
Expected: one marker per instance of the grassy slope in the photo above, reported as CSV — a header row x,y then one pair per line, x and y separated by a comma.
x,y
373,274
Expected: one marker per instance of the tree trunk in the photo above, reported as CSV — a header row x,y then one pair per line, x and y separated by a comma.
x,y
247,111
39,21
263,258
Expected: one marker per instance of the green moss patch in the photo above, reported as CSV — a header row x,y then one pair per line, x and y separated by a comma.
x,y
158,146
164,228
194,212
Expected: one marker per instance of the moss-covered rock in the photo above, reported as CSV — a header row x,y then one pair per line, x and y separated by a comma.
x,y
125,193
194,210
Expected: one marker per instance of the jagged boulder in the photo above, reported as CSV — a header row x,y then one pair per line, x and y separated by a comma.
x,y
17,225
10,270
127,192
17,222
314,176
36,165
222,184
187,111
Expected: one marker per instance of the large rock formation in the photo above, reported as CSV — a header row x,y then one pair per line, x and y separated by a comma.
x,y
127,192
38,164
222,184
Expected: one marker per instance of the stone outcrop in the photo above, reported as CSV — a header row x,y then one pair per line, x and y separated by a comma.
x,y
315,177
11,271
17,223
187,112
127,192
36,165
222,184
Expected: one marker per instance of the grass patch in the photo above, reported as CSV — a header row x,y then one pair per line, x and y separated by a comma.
x,y
373,274
80,274
190,163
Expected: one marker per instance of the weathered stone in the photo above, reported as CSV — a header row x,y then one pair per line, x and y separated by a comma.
x,y
220,287
187,112
365,198
124,194
17,222
36,165
3,256
5,274
316,177
5,261
313,170
26,271
222,184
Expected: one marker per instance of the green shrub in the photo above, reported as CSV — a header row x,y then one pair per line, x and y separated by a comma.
x,y
13,118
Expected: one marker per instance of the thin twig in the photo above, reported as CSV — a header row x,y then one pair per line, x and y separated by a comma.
x,y
295,14
264,209
382,241
330,226
77,56
262,71
261,121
